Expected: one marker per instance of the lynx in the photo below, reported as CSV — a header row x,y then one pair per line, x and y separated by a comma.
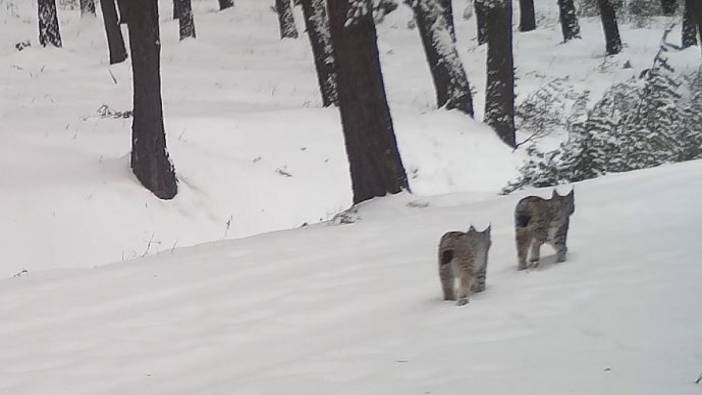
x,y
463,263
538,221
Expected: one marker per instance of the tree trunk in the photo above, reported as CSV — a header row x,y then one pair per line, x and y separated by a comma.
x,y
450,81
527,16
87,8
150,162
48,24
317,24
669,7
224,4
186,22
499,93
448,16
696,13
689,27
569,21
374,160
115,41
286,19
611,29
480,22
176,11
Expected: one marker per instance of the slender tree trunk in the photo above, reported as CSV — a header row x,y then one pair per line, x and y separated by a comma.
x,y
176,11
480,21
317,24
689,28
569,21
186,21
150,162
115,41
87,8
224,4
611,29
499,93
669,7
527,16
447,7
374,160
696,13
450,80
48,24
286,19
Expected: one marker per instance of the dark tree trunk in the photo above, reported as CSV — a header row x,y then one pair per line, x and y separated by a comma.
x,y
669,7
499,94
285,19
186,21
87,8
480,22
224,4
448,15
611,29
696,13
48,24
527,16
150,162
374,160
122,8
569,21
115,41
689,27
450,80
317,24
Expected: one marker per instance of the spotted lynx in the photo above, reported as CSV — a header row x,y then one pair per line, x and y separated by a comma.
x,y
463,263
538,221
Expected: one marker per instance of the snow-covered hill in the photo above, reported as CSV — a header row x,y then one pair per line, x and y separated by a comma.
x,y
356,309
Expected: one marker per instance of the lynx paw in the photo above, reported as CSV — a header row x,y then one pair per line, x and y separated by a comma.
x,y
462,302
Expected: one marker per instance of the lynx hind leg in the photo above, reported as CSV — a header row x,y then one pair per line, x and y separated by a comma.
x,y
479,282
523,241
446,275
465,282
535,252
559,243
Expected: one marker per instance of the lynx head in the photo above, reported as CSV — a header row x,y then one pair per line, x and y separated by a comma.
x,y
566,202
481,239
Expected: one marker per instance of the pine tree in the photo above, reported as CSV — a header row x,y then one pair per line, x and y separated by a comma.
x,y
499,92
450,80
527,16
87,8
374,160
149,160
115,41
669,7
611,29
689,27
286,19
569,21
186,21
480,21
447,8
48,24
317,24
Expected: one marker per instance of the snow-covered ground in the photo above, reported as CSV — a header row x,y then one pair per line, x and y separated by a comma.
x,y
356,309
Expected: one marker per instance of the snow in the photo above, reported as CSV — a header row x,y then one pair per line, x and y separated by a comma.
x,y
119,296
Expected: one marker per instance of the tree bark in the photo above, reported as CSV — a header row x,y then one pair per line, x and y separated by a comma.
x,y
696,13
317,24
224,4
115,41
149,160
374,160
450,80
447,7
499,94
286,19
689,27
569,21
49,33
186,22
669,7
527,16
87,8
611,29
480,21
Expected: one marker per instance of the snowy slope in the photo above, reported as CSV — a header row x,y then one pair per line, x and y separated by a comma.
x,y
356,309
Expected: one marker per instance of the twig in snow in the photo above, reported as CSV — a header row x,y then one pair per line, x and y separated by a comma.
x,y
148,246
173,247
699,379
114,79
25,271
229,224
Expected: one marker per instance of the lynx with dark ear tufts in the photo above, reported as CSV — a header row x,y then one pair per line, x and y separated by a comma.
x,y
463,263
538,221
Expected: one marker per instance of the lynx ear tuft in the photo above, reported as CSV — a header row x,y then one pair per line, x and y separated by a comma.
x,y
554,194
487,230
472,229
572,191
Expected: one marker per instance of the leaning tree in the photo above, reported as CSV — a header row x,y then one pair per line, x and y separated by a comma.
x,y
447,8
150,161
286,20
374,159
527,16
499,90
689,27
611,29
317,24
480,21
115,41
450,80
48,23
569,21
186,21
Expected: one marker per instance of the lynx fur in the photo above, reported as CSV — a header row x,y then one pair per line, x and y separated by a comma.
x,y
463,263
538,221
